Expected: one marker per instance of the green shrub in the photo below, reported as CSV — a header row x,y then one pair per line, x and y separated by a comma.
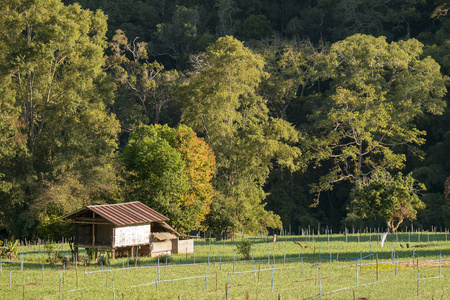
x,y
52,252
244,248
11,249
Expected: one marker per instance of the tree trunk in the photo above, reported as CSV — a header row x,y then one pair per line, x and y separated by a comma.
x,y
393,227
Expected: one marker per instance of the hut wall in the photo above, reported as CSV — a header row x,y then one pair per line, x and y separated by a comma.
x,y
132,235
83,234
161,248
183,246
103,234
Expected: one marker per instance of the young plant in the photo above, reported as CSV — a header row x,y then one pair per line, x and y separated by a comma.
x,y
11,249
52,252
244,248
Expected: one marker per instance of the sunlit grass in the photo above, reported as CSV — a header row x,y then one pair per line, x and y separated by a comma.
x,y
298,273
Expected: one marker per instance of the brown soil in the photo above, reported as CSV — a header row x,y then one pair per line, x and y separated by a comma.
x,y
425,263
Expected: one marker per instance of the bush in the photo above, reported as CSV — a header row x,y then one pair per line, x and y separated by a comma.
x,y
11,249
52,252
244,248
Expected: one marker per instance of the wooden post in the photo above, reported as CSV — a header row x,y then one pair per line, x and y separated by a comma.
x,y
418,282
113,251
377,265
93,229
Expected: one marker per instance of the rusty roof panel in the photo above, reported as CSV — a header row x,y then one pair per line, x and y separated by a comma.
x,y
127,213
162,236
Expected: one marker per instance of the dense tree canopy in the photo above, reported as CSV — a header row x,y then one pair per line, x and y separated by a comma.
x,y
55,94
171,171
221,102
302,103
377,91
394,198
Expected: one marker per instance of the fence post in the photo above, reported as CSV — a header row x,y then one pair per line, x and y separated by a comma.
x,y
357,261
440,263
273,254
234,260
272,278
114,292
316,274
377,266
418,282
301,268
320,284
253,249
156,283
331,253
396,267
228,285
165,267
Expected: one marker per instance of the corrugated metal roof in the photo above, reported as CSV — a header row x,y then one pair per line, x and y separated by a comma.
x,y
127,213
162,236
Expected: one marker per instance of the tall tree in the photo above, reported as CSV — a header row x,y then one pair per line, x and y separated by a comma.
x,y
176,39
221,102
171,170
144,88
367,119
394,198
52,63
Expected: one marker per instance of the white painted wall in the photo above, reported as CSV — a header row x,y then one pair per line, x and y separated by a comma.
x,y
183,246
132,235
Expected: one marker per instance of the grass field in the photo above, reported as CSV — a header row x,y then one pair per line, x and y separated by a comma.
x,y
295,273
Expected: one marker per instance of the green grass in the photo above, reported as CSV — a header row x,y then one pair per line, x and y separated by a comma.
x,y
293,277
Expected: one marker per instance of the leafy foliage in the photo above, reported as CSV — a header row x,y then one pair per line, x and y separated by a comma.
x,y
393,198
137,78
53,80
376,92
244,249
11,249
221,102
345,81
171,171
52,251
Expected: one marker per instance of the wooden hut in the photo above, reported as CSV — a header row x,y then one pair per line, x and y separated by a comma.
x,y
122,228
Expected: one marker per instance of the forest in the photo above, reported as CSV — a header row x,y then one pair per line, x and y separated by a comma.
x,y
225,115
